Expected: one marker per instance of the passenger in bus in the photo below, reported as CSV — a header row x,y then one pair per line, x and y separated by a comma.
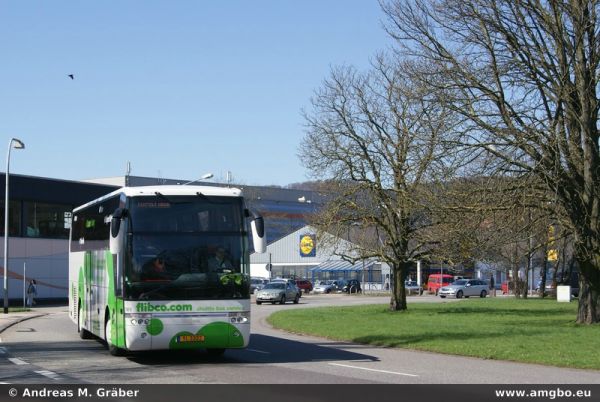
x,y
219,261
155,269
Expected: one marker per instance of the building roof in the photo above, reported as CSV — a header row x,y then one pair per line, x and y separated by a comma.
x,y
341,265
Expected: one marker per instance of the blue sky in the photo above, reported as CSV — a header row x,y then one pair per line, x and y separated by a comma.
x,y
178,88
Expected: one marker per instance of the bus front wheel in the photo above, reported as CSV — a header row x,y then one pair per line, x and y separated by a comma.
x,y
112,349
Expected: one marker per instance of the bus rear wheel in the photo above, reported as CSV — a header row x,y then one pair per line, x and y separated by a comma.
x,y
83,333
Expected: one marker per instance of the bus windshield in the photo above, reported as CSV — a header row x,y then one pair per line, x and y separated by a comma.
x,y
182,247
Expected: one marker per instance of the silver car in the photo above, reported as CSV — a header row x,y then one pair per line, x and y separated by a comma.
x,y
466,288
257,284
412,287
324,287
278,292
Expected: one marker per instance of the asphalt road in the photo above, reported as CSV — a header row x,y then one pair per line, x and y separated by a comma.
x,y
48,349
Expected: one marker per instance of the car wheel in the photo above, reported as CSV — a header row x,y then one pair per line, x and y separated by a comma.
x,y
282,301
328,291
459,294
297,299
443,297
258,302
483,294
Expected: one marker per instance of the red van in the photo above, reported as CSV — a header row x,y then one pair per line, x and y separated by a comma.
x,y
433,282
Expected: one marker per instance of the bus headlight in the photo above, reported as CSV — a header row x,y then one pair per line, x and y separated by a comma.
x,y
242,317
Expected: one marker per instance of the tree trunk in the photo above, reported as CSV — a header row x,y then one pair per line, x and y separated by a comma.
x,y
543,273
589,292
398,300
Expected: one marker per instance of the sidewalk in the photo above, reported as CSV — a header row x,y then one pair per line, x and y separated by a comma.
x,y
12,318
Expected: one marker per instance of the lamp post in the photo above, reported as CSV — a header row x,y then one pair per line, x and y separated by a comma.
x,y
17,144
203,177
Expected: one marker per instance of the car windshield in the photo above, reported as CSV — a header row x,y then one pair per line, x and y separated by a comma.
x,y
460,282
274,285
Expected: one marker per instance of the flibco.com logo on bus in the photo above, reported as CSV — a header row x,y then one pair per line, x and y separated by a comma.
x,y
149,307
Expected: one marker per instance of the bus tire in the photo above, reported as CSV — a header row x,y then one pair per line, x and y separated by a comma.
x,y
83,333
112,349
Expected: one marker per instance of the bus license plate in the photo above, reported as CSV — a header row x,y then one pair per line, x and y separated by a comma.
x,y
190,338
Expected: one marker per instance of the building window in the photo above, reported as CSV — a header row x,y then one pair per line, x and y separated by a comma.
x,y
14,218
47,220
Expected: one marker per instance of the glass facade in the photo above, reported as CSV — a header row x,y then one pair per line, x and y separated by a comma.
x,y
14,218
34,219
47,220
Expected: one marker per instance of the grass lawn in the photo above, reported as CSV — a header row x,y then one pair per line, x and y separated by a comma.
x,y
532,331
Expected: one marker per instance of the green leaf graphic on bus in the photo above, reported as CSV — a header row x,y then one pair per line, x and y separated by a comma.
x,y
155,327
214,335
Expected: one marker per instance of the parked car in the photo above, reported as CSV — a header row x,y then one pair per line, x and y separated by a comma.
x,y
257,284
550,289
466,288
339,285
325,287
352,286
412,287
304,284
433,282
278,292
287,280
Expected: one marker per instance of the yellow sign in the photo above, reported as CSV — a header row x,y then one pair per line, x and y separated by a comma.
x,y
307,245
552,255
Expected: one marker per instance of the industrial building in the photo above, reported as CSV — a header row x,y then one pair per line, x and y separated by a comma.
x,y
40,220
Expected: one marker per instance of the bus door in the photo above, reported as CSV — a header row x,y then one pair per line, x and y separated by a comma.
x,y
86,297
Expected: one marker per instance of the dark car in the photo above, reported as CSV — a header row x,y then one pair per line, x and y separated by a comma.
x,y
304,285
352,286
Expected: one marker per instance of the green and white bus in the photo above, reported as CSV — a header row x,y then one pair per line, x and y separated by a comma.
x,y
163,267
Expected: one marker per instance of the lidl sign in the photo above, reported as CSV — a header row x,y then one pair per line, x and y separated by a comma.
x,y
308,245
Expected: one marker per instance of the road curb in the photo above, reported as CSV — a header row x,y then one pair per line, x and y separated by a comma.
x,y
4,327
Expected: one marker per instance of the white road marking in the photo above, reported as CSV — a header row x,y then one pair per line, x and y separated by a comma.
x,y
17,361
370,369
258,351
49,374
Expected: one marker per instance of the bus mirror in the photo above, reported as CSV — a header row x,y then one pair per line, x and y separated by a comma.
x,y
258,234
116,237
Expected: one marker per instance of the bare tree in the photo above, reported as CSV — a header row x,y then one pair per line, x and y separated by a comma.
x,y
376,138
524,74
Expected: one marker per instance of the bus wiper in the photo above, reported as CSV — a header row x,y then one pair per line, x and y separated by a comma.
x,y
164,197
199,194
210,200
161,195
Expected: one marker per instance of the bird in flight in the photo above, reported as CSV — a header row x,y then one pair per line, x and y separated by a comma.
x,y
71,76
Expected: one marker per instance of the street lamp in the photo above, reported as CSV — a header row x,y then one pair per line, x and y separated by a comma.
x,y
203,177
17,144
